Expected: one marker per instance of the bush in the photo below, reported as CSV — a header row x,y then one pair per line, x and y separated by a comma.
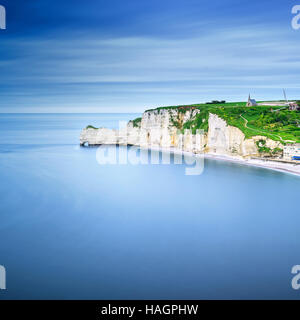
x,y
136,122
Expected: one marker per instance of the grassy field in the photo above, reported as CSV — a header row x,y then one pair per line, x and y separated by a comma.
x,y
275,122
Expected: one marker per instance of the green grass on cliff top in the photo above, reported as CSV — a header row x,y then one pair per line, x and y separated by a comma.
x,y
275,122
201,105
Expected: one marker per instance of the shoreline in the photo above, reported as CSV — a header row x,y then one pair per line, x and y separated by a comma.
x,y
266,164
293,169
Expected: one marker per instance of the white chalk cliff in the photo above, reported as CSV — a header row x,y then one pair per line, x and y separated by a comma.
x,y
159,128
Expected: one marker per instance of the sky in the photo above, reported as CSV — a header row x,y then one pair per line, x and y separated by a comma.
x,y
128,56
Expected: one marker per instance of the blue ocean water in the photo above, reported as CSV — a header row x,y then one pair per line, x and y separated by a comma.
x,y
73,229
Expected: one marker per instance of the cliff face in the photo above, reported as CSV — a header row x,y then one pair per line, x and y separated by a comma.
x,y
163,128
166,118
227,140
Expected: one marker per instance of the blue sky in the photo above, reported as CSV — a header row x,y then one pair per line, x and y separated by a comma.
x,y
125,56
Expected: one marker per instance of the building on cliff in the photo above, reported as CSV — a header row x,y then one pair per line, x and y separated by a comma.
x,y
251,102
293,106
292,152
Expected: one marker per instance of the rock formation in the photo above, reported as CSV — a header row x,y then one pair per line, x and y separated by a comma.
x,y
164,128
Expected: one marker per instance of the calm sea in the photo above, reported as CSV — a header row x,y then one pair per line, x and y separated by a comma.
x,y
73,229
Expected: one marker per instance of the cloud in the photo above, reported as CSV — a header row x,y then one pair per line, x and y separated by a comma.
x,y
130,71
